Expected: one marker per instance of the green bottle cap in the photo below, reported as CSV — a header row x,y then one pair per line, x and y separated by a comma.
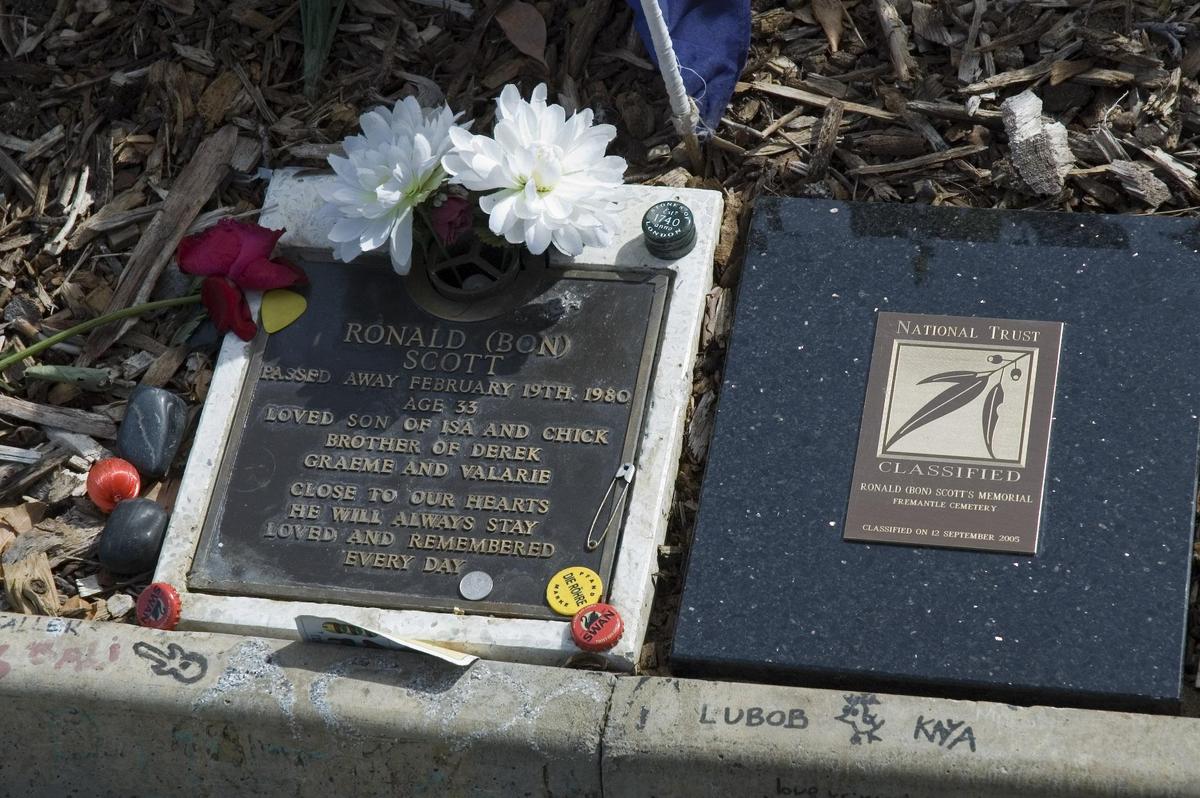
x,y
669,230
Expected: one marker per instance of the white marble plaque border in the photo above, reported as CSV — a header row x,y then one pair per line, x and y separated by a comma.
x,y
291,203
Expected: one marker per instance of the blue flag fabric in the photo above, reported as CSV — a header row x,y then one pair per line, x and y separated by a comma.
x,y
711,39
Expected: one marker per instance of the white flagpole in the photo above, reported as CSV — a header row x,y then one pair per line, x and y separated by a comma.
x,y
683,108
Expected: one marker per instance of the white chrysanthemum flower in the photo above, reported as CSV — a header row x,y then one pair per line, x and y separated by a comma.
x,y
550,179
388,171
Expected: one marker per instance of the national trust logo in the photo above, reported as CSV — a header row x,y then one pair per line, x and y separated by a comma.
x,y
958,402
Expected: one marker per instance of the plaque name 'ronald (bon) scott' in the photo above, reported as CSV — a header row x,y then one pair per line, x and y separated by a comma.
x,y
955,433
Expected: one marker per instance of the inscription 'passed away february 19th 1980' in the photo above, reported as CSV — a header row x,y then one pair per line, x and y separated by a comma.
x,y
380,453
955,432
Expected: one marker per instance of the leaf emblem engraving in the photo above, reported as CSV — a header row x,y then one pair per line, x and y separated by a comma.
x,y
949,376
966,387
991,415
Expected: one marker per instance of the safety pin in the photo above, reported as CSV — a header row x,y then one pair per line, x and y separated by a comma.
x,y
624,473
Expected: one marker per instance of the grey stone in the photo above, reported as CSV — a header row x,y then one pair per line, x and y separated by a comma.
x,y
21,308
205,337
152,430
119,605
132,537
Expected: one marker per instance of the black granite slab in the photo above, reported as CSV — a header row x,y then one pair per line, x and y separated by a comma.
x,y
1097,616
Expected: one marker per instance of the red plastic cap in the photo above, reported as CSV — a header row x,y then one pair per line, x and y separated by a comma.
x,y
112,480
597,627
158,606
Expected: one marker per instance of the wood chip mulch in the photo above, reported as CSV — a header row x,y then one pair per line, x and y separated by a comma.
x,y
1072,105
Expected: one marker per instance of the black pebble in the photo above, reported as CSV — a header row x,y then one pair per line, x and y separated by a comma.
x,y
152,430
132,537
206,337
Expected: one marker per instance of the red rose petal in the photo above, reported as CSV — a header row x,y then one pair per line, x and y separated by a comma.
x,y
212,252
265,275
451,219
257,241
257,244
227,307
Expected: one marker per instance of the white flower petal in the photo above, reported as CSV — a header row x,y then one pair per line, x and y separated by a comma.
x,y
347,251
568,241
547,175
509,102
375,126
347,230
394,165
375,233
400,247
537,236
499,208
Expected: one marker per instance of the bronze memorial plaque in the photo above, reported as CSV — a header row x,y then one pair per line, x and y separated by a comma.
x,y
393,452
955,432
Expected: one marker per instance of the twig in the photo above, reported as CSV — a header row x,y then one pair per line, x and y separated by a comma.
x,y
81,200
457,6
67,418
920,162
774,127
808,98
896,34
825,140
18,175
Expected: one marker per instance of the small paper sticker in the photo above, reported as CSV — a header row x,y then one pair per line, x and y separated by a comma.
x,y
316,629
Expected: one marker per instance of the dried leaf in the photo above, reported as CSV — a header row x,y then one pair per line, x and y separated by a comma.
x,y
991,415
962,393
525,28
829,14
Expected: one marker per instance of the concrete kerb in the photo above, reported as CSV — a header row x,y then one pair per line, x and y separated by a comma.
x,y
105,709
108,709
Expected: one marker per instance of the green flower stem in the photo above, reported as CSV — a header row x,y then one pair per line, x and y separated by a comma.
x,y
91,324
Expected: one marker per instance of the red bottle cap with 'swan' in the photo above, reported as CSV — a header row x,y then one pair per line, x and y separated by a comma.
x,y
597,627
158,606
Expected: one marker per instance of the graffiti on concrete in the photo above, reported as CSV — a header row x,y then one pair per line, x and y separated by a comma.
x,y
857,713
787,718
39,623
805,790
185,667
945,735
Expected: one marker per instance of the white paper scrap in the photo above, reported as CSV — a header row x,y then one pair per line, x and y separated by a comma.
x,y
316,629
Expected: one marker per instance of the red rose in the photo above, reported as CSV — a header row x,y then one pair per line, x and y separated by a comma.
x,y
240,251
227,307
451,219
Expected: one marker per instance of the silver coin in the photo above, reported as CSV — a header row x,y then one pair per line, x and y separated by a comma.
x,y
475,586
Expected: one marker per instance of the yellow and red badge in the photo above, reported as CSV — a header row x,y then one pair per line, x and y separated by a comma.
x,y
573,588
